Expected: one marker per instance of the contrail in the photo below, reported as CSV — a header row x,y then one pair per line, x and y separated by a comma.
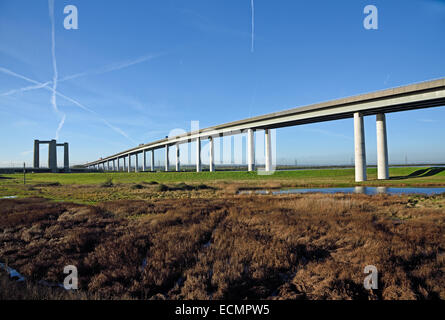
x,y
109,68
253,25
62,121
55,75
38,86
53,51
82,106
12,73
77,103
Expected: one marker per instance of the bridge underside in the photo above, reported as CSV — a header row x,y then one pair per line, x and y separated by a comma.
x,y
417,96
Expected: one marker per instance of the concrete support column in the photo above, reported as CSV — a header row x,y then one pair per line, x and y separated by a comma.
x,y
118,165
129,163
103,166
250,150
167,159
178,161
211,155
268,149
125,163
36,153
198,154
114,164
382,147
66,157
136,163
144,159
152,163
52,155
359,148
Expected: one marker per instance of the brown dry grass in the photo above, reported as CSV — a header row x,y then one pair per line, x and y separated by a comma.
x,y
310,246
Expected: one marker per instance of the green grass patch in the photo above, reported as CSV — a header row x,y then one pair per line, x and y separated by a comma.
x,y
335,176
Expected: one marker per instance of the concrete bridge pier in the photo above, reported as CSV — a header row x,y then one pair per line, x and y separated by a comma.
x,y
167,159
198,154
129,163
382,148
359,148
52,155
178,163
36,153
211,155
144,160
66,157
124,164
268,149
118,165
250,150
152,163
136,163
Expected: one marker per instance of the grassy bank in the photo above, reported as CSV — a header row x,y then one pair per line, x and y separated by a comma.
x,y
331,177
90,188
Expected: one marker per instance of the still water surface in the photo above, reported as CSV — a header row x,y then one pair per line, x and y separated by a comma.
x,y
361,190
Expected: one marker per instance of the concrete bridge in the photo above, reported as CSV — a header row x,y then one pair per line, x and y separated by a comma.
x,y
416,96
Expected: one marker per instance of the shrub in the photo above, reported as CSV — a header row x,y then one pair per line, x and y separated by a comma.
x,y
162,188
202,186
47,184
108,183
150,182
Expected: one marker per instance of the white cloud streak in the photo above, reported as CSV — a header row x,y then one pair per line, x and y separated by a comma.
x,y
110,68
39,86
12,73
75,102
55,73
24,153
61,123
106,69
53,52
253,25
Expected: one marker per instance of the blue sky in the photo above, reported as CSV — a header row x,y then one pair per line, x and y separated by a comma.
x,y
135,70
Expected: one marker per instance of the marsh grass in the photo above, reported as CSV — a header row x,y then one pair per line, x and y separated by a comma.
x,y
311,246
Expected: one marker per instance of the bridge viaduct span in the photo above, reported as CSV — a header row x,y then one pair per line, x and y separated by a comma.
x,y
415,96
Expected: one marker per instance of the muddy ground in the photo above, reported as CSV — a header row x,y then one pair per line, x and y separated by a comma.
x,y
312,246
